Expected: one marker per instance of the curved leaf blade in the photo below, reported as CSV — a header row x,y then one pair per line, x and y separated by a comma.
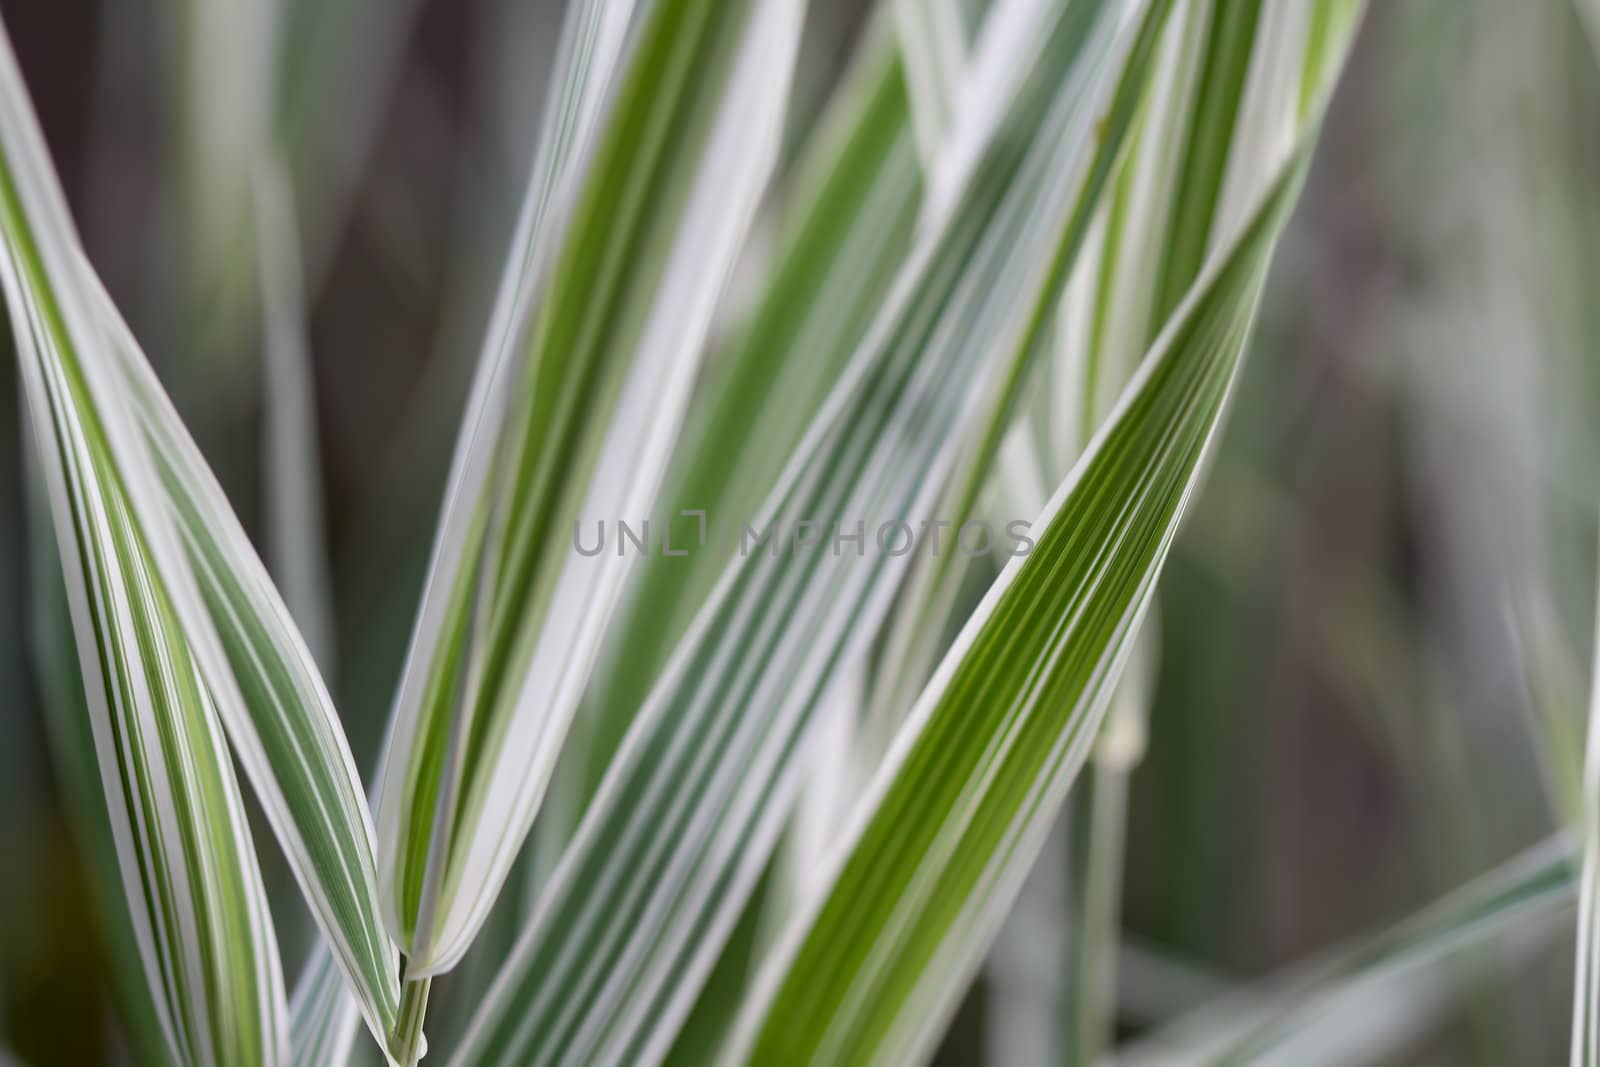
x,y
194,893
258,677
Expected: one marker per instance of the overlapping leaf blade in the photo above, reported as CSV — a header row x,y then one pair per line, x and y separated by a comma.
x,y
1173,201
253,668
286,734
189,872
857,190
194,893
575,407
688,814
323,1016
1209,89
961,806
854,194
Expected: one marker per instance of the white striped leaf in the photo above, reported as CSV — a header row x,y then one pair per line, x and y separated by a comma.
x,y
956,814
1239,74
1230,73
961,806
585,375
232,143
687,816
858,190
855,197
256,671
195,899
71,737
846,228
323,1016
282,723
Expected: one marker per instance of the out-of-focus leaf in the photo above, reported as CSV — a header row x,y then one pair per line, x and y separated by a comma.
x,y
1586,977
1320,1005
933,55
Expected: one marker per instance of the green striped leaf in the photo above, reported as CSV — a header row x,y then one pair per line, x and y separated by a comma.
x,y
323,1016
973,781
846,228
1241,73
585,375
282,723
857,190
1209,87
687,816
194,894
70,733
254,670
959,808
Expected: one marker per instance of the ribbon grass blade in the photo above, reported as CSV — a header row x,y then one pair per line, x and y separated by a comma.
x,y
689,812
189,875
255,672
961,803
857,190
961,806
586,374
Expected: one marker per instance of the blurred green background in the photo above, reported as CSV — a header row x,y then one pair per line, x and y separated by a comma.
x,y
1374,634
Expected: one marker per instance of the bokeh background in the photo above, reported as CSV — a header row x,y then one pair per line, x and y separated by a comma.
x,y
1375,632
